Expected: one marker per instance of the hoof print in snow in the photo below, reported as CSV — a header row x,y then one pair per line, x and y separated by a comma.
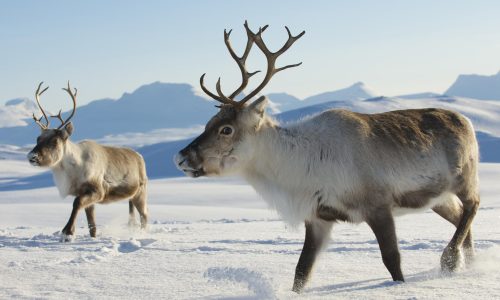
x,y
254,281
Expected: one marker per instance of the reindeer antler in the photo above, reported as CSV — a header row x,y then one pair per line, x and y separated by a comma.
x,y
38,93
73,98
245,75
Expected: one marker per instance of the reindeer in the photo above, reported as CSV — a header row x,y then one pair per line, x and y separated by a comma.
x,y
342,166
91,172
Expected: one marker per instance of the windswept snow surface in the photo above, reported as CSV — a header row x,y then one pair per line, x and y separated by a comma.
x,y
215,239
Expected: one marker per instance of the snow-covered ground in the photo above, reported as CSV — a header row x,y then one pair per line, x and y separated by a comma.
x,y
213,239
140,139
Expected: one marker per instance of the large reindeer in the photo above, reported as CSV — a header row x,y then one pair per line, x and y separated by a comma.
x,y
91,172
342,166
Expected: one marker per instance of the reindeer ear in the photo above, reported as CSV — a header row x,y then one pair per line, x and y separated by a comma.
x,y
68,130
259,105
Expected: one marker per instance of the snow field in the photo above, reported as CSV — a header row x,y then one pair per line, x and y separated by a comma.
x,y
215,239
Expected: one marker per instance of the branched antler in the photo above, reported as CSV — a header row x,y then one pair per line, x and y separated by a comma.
x,y
73,98
59,116
271,59
241,60
38,93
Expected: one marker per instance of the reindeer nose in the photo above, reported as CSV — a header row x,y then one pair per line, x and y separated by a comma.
x,y
33,158
180,163
179,159
32,155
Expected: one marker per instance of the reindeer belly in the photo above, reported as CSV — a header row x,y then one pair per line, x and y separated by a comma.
x,y
119,192
421,205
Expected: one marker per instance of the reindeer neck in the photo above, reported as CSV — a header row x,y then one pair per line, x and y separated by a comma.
x,y
272,146
71,155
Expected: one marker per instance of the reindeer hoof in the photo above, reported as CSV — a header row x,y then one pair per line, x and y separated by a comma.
x,y
298,287
65,238
451,260
133,224
92,231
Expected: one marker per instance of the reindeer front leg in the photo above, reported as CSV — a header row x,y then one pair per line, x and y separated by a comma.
x,y
317,233
381,222
90,196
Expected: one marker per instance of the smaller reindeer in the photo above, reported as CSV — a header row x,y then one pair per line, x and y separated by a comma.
x,y
91,172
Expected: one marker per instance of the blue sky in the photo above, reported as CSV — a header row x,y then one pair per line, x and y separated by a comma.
x,y
109,47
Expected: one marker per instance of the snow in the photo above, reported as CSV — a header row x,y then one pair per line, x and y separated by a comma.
x,y
216,239
140,139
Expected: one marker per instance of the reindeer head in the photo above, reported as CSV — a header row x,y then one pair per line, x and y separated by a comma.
x,y
221,148
51,143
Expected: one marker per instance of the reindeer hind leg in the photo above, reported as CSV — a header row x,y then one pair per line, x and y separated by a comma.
x,y
132,222
452,211
450,259
140,202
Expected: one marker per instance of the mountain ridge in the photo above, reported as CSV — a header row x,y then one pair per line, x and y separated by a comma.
x,y
483,87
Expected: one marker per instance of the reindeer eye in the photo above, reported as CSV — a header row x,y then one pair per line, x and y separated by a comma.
x,y
226,130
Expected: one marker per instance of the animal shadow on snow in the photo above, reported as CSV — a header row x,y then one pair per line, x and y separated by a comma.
x,y
377,283
42,180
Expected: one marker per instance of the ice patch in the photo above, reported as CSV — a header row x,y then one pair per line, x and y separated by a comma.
x,y
254,281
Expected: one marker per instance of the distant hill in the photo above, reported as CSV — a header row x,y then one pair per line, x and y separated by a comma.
x,y
485,116
282,102
476,86
419,95
357,91
16,111
152,106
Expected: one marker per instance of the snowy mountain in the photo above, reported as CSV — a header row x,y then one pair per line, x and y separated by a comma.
x,y
281,102
476,86
153,106
15,111
419,95
149,108
485,117
357,91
